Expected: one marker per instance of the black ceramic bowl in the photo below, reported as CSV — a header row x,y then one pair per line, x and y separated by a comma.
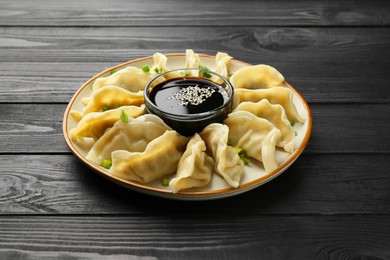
x,y
189,99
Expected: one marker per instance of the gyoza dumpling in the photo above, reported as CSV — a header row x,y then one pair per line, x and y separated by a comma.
x,y
227,161
160,65
84,143
257,76
195,167
222,59
95,124
192,61
159,159
276,115
110,97
276,95
257,136
133,136
131,78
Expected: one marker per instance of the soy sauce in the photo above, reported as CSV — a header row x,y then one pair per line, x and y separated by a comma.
x,y
189,95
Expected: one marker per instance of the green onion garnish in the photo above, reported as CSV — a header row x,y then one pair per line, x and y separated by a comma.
x,y
184,74
295,132
158,70
245,160
105,108
106,164
205,71
229,142
165,182
292,122
243,156
145,68
113,71
124,117
239,150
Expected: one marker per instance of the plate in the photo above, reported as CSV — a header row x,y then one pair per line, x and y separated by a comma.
x,y
254,174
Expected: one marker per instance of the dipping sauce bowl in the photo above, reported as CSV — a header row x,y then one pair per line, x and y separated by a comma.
x,y
189,99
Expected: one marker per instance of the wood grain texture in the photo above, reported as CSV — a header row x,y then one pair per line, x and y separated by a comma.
x,y
200,13
326,65
193,237
329,47
315,184
29,128
332,203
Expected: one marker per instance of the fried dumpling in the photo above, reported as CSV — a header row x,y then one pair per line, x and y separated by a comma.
x,y
256,76
133,136
95,124
131,78
227,161
276,95
110,97
276,115
160,158
222,59
195,167
257,136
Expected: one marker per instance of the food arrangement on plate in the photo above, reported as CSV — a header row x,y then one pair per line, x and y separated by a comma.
x,y
185,128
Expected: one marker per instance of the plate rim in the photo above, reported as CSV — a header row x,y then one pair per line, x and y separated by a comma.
x,y
184,195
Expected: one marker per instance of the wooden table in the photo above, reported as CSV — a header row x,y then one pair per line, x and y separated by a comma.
x,y
333,203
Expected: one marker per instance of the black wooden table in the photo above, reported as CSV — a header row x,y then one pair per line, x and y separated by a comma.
x,y
333,203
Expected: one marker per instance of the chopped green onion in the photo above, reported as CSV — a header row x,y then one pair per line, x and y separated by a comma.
x,y
243,156
245,160
292,122
184,74
106,164
158,70
229,142
295,132
165,182
124,117
113,71
145,68
239,150
205,71
105,108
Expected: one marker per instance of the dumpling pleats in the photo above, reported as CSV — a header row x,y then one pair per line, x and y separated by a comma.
x,y
222,60
192,61
96,123
276,95
195,167
277,116
160,158
227,161
257,136
133,136
110,97
160,65
131,78
256,76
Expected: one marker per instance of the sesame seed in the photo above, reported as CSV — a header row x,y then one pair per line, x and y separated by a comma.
x,y
193,95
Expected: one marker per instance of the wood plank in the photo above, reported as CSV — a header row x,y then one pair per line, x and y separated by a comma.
x,y
193,237
315,184
39,82
186,13
325,46
29,128
326,65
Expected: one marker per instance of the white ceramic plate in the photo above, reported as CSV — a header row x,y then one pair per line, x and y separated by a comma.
x,y
254,174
